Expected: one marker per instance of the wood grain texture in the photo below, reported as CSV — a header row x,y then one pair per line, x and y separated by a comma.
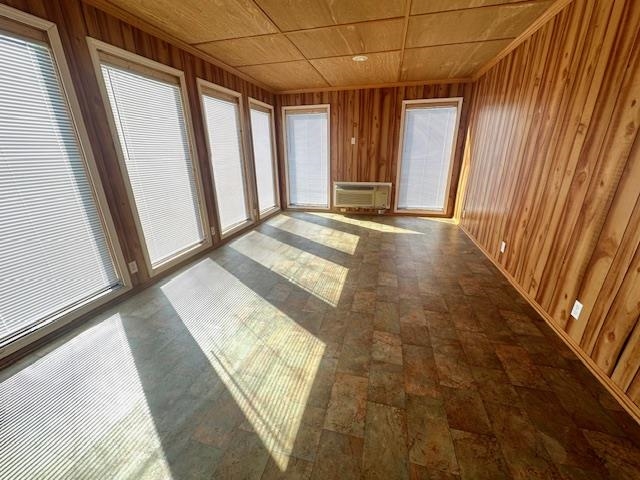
x,y
253,50
461,26
77,20
379,68
373,117
553,167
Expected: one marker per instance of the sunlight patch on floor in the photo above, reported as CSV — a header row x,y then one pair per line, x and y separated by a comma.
x,y
264,358
378,227
322,278
80,412
329,237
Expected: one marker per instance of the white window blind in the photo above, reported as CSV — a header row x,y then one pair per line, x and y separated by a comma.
x,y
54,255
223,130
426,157
308,157
264,159
149,117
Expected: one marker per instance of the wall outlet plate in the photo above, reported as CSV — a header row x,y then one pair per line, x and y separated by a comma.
x,y
133,267
353,140
503,247
576,310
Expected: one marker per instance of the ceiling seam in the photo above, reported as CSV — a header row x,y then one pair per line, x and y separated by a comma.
x,y
292,43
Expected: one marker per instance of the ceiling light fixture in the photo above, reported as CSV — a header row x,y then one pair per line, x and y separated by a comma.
x,y
360,58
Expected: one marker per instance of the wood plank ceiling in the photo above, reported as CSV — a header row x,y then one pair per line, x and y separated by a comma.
x,y
302,44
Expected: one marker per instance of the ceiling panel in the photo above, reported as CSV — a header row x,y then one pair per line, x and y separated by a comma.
x,y
350,39
308,44
195,21
432,6
253,50
380,68
298,14
448,61
461,26
287,75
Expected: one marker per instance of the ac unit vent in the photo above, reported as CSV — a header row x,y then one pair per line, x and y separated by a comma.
x,y
361,194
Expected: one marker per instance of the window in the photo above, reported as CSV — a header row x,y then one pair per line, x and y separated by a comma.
x,y
56,256
148,112
307,147
263,154
428,144
221,108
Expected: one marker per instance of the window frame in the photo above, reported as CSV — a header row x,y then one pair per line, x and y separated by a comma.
x,y
222,92
47,33
146,67
322,107
265,107
427,103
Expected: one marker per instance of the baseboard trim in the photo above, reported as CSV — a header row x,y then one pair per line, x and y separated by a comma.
x,y
622,398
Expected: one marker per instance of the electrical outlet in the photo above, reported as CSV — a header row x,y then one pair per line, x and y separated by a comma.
x,y
213,231
353,140
576,310
133,267
503,247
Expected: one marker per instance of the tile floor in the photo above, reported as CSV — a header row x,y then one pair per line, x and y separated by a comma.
x,y
317,346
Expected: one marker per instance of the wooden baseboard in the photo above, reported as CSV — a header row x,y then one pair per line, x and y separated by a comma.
x,y
622,398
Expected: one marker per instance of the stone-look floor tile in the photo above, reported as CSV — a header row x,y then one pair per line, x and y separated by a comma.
x,y
386,384
385,443
412,312
283,467
453,371
523,451
471,286
465,410
234,464
583,408
494,386
387,318
434,303
412,334
386,279
420,373
440,325
562,438
520,323
418,472
542,352
347,406
308,434
463,318
339,457
322,385
386,347
479,456
519,367
479,351
355,358
429,439
364,301
621,457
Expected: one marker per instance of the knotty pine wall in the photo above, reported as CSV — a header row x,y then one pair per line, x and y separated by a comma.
x,y
75,21
373,117
554,170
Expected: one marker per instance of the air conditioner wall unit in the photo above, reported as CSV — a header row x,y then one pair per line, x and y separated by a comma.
x,y
362,195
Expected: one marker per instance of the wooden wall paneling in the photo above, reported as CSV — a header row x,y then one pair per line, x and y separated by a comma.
x,y
554,169
373,117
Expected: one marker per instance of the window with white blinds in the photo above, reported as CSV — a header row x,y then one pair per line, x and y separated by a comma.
x,y
307,138
262,135
152,132
222,118
427,151
54,253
